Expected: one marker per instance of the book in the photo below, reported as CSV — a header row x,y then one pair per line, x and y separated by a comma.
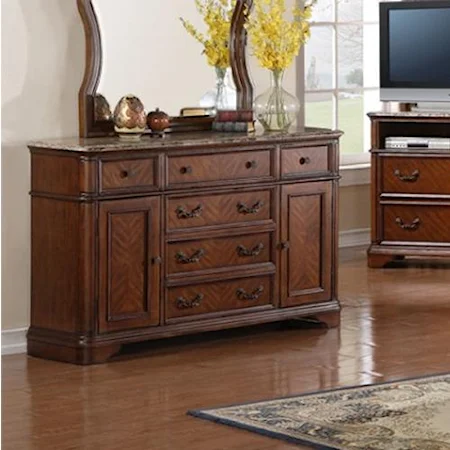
x,y
234,115
234,127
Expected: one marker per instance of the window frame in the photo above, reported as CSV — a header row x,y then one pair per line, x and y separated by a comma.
x,y
347,160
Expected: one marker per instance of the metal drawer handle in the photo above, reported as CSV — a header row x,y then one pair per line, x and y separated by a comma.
x,y
242,294
244,209
182,258
407,178
251,164
186,170
255,251
182,213
408,226
304,160
182,303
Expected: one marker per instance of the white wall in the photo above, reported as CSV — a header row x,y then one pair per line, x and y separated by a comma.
x,y
42,68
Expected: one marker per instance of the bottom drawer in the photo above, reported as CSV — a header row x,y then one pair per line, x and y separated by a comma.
x,y
415,223
218,297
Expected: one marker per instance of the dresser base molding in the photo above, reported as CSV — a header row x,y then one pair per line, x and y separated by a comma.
x,y
79,349
380,255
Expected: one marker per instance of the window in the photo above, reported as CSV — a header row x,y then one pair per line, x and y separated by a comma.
x,y
341,72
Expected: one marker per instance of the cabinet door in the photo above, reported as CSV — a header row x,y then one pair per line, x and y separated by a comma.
x,y
306,235
129,237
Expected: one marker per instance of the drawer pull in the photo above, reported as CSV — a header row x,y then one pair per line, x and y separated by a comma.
x,y
241,294
127,173
251,164
157,260
284,245
195,258
407,178
304,160
182,213
182,303
255,251
186,170
408,226
244,209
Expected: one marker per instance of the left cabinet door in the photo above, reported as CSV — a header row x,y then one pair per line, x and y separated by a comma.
x,y
130,269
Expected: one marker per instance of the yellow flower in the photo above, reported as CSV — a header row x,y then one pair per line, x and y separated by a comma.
x,y
217,16
275,39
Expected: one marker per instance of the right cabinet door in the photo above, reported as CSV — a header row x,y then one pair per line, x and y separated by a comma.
x,y
306,235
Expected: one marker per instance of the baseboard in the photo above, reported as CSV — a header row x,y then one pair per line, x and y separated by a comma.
x,y
14,341
354,238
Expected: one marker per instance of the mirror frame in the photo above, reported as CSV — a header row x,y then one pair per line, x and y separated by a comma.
x,y
90,127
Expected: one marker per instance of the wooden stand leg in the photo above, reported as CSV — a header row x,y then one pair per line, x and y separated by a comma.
x,y
330,319
379,261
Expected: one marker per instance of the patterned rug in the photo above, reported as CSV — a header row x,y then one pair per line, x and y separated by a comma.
x,y
403,415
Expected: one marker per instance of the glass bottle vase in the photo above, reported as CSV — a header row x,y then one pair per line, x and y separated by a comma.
x,y
223,96
276,109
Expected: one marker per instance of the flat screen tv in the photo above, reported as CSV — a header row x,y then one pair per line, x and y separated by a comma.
x,y
415,51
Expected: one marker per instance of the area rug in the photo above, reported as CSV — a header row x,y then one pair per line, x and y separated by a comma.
x,y
403,415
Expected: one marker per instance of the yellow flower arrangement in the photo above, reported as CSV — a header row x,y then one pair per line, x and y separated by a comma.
x,y
275,39
217,16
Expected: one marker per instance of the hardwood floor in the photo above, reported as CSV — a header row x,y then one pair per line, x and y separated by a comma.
x,y
395,324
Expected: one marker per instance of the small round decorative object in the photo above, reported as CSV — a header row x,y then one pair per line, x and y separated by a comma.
x,y
129,118
158,121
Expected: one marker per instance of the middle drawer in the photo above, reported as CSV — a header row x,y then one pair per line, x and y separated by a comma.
x,y
215,253
215,210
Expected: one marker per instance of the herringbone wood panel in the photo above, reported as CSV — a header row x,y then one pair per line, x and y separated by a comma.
x,y
220,296
432,175
128,173
128,263
219,209
305,241
306,275
129,287
395,324
433,225
220,252
216,167
304,159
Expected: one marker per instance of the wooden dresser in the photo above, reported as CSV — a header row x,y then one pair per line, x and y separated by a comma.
x,y
185,234
410,189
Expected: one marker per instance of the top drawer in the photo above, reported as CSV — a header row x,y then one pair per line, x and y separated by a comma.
x,y
219,167
301,161
128,173
415,175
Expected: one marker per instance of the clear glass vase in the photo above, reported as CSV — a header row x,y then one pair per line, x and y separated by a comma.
x,y
223,96
275,108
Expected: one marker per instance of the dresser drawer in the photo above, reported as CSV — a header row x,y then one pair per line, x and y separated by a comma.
x,y
129,173
207,254
219,167
219,209
304,160
416,175
207,298
416,223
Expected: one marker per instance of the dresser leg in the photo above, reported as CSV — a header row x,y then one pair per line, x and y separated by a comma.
x,y
329,319
375,261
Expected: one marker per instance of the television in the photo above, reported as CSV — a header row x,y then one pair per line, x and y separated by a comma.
x,y
415,51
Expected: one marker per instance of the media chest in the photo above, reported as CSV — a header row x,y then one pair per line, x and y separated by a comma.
x,y
185,234
410,189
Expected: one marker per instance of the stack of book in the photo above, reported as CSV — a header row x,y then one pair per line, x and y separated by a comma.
x,y
234,121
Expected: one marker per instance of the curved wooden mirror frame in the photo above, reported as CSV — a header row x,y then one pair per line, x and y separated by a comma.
x,y
89,126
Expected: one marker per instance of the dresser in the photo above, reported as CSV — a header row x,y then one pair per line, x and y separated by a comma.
x,y
135,241
410,189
